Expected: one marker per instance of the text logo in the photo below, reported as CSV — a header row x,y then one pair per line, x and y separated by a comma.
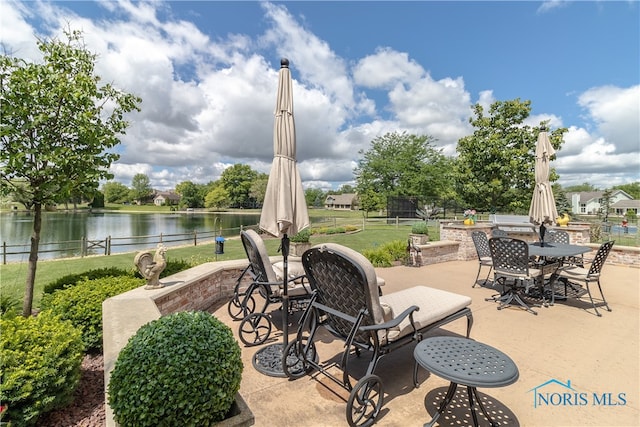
x,y
556,393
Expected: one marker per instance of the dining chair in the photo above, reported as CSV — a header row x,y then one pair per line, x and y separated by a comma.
x,y
481,243
511,261
561,236
574,275
496,232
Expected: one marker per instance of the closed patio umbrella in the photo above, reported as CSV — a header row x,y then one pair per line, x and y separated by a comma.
x,y
284,211
543,205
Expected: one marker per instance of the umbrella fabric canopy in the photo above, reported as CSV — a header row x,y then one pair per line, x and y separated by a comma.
x,y
284,210
543,205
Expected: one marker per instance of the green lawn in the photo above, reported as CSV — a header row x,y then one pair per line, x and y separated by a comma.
x,y
13,275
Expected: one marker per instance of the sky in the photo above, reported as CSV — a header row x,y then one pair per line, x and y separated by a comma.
x,y
207,72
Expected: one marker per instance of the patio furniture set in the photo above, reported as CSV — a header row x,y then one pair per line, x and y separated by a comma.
x,y
340,294
533,271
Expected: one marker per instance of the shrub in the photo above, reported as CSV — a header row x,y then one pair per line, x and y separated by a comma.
x,y
420,228
379,257
397,249
182,369
71,279
82,304
302,236
40,359
8,304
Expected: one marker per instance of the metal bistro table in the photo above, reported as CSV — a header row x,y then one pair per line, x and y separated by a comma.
x,y
554,251
466,362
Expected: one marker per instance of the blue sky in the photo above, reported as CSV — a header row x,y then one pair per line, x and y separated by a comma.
x,y
207,74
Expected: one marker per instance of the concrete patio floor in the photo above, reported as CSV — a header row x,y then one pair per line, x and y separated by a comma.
x,y
564,345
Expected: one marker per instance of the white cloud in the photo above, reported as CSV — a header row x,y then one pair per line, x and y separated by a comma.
x,y
208,104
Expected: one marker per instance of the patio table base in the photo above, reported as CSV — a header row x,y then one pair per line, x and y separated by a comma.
x,y
268,360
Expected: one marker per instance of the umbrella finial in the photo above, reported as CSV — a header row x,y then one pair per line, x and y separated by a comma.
x,y
543,128
284,63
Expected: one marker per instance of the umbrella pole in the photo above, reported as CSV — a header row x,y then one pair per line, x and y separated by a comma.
x,y
543,230
285,293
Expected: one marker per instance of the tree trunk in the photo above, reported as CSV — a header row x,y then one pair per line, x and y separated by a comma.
x,y
33,260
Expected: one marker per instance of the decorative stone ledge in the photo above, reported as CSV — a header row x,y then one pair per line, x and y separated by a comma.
x,y
198,288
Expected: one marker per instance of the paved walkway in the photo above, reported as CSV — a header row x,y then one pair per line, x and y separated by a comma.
x,y
586,367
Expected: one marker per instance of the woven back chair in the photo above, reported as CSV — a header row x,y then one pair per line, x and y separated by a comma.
x,y
481,243
511,262
574,274
346,302
266,285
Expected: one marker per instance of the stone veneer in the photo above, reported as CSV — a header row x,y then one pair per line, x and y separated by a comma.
x,y
198,288
456,244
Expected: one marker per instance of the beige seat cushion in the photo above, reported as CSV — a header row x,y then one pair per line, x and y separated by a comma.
x,y
435,304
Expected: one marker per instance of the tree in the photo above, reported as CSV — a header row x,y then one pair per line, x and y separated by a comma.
x,y
115,192
57,126
259,188
237,180
580,188
217,198
632,189
605,204
141,188
314,197
495,166
399,164
190,195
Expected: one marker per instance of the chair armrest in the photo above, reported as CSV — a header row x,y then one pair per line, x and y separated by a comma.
x,y
393,322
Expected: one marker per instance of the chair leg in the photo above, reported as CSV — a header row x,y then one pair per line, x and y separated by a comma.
x,y
475,282
606,304
487,278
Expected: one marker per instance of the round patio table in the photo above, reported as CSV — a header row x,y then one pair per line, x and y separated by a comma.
x,y
463,361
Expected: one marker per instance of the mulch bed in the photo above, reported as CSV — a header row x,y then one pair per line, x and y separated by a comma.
x,y
87,408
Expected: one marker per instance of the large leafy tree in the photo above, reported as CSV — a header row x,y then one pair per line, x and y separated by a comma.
x,y
400,164
57,124
191,195
237,180
141,188
495,166
115,192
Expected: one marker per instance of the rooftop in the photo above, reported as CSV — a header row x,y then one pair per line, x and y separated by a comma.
x,y
587,366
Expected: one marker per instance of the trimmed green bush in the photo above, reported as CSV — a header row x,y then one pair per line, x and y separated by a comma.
x,y
40,359
82,304
302,236
71,279
420,228
183,369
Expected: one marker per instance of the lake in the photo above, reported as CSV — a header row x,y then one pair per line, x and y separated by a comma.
x,y
73,227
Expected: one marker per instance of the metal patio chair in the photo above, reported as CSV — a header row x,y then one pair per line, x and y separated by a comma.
x,y
346,303
265,285
573,275
481,243
511,261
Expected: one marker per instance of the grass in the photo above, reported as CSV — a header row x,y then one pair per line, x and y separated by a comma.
x,y
13,275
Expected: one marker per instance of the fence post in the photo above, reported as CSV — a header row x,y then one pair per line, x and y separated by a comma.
x,y
107,246
160,237
397,222
4,252
83,246
195,237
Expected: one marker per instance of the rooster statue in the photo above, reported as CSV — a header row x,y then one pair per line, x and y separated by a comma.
x,y
150,266
564,220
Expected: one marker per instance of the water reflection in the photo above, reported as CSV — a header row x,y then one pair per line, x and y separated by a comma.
x,y
71,227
